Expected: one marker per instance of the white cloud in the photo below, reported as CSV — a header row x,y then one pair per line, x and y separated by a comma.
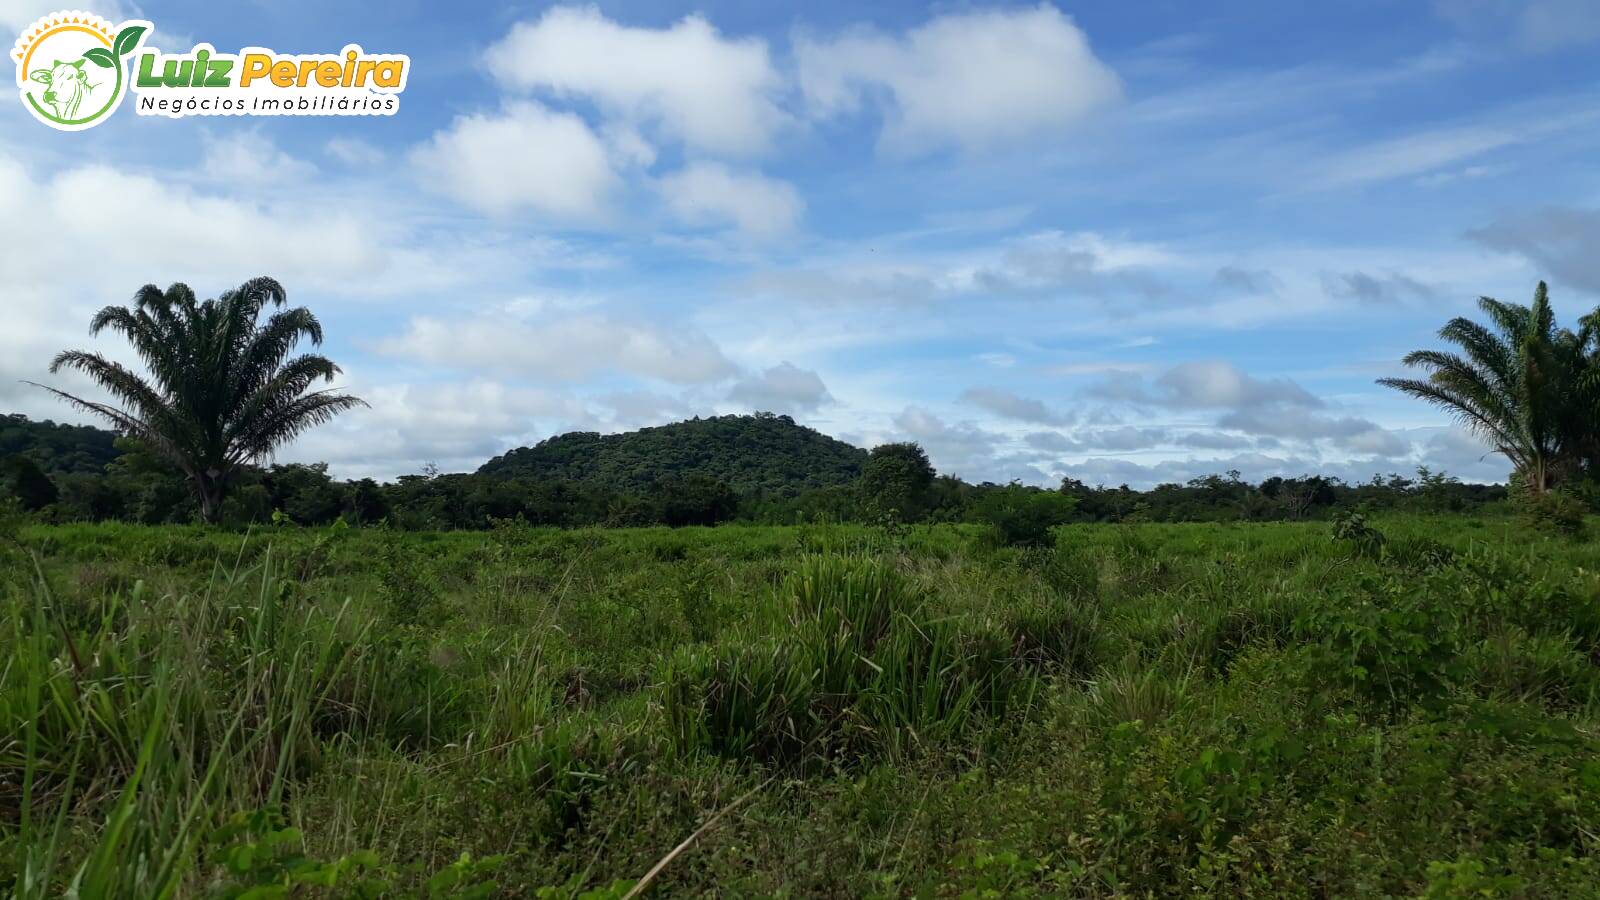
x,y
714,93
355,152
455,425
250,157
784,388
1214,384
527,157
975,79
962,449
201,238
568,348
711,194
1008,405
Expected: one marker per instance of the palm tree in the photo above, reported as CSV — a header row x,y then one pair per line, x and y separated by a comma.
x,y
222,390
1527,387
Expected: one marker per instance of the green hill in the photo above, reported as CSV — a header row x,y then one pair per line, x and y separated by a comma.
x,y
57,448
763,452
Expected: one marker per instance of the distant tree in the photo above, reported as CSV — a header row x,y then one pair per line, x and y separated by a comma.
x,y
364,503
305,493
1528,388
21,477
223,390
896,480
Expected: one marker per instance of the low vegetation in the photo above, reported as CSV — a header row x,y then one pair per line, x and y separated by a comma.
x,y
1387,705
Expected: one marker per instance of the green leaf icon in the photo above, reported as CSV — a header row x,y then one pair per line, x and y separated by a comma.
x,y
128,38
100,56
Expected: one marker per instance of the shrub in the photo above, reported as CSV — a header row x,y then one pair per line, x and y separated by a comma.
x,y
1023,516
1391,640
1353,528
1558,512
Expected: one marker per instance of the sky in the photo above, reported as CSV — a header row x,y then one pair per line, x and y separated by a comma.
x,y
1124,242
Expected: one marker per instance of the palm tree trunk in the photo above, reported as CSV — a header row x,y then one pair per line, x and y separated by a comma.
x,y
210,490
1538,476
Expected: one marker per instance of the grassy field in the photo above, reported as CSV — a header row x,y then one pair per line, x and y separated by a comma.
x,y
1411,708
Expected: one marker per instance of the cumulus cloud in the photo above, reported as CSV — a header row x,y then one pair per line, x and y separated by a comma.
x,y
1559,240
1458,452
712,194
641,408
1008,405
195,235
1349,433
782,388
1257,407
954,449
1213,384
455,425
573,347
246,157
525,158
712,92
975,79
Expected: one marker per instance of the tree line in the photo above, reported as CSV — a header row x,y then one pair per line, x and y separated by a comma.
x,y
223,389
896,485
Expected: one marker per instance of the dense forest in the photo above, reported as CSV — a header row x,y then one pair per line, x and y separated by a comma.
x,y
57,447
757,468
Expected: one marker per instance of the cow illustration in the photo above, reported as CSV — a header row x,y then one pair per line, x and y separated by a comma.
x,y
67,85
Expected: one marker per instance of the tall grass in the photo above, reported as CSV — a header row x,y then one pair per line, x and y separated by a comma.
x,y
167,711
1223,710
858,668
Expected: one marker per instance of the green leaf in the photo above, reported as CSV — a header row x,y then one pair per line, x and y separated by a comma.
x,y
100,56
128,38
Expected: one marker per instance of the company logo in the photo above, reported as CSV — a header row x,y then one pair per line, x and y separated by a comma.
x,y
70,67
73,69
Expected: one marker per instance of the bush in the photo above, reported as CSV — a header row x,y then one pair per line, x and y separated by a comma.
x,y
1392,640
1557,511
1353,528
1023,516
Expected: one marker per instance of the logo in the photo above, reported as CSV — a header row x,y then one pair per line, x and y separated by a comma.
x,y
70,67
73,69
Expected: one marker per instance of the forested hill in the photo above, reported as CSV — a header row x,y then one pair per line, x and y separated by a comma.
x,y
57,449
762,452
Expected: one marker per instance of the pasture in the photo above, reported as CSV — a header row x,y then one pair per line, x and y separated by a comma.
x,y
1409,707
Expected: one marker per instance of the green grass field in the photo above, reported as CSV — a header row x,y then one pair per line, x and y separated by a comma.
x,y
1262,710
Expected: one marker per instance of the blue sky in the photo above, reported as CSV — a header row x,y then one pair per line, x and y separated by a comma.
x,y
1123,242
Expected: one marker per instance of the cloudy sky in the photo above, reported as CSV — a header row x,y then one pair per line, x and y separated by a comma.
x,y
1122,241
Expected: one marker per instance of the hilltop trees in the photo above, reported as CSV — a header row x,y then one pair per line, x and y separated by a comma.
x,y
1527,387
223,390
